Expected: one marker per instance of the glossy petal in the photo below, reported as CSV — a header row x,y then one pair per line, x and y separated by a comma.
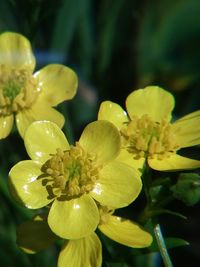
x,y
126,232
58,83
101,138
15,50
127,158
187,129
6,124
112,112
39,111
42,138
174,163
35,235
25,185
118,185
82,252
152,100
74,219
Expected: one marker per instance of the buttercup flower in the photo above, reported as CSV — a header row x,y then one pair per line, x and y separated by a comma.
x,y
148,133
72,178
27,96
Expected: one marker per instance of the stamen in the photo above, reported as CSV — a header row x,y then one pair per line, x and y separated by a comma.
x,y
18,89
144,137
71,173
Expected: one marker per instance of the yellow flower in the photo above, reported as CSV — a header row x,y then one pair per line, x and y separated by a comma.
x,y
27,96
72,178
148,133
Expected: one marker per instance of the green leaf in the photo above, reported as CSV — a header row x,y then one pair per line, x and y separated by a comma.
x,y
171,242
187,189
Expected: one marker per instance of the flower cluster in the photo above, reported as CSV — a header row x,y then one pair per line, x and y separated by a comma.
x,y
80,185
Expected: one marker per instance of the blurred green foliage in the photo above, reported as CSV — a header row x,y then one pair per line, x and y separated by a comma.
x,y
115,47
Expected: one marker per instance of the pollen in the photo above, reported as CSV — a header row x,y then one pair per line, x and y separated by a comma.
x,y
71,173
18,89
144,137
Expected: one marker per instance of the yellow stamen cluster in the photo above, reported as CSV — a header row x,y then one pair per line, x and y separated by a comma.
x,y
18,89
70,174
105,213
145,137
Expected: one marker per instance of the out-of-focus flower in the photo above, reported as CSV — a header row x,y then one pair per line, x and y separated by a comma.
x,y
27,96
72,178
148,134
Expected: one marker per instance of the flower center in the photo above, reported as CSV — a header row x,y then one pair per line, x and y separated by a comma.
x,y
145,137
70,174
18,89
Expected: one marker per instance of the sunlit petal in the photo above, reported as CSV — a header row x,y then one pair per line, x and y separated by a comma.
x,y
118,185
174,163
25,185
153,101
58,83
15,51
81,252
73,219
126,232
187,129
102,139
6,124
112,112
39,111
43,138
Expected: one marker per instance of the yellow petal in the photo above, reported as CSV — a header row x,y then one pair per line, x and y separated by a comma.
x,y
74,219
152,100
112,112
187,130
58,83
25,185
15,50
6,124
39,111
42,138
174,163
127,158
102,139
118,185
85,252
126,232
35,235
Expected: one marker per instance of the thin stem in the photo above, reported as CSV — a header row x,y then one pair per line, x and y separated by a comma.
x,y
162,246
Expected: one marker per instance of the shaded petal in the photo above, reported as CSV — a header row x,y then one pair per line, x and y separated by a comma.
x,y
128,158
153,101
102,139
25,185
58,83
35,235
39,111
187,129
15,51
82,252
118,185
112,112
43,138
6,124
125,232
174,163
74,218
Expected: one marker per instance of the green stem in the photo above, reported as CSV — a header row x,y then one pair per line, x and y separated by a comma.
x,y
162,246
